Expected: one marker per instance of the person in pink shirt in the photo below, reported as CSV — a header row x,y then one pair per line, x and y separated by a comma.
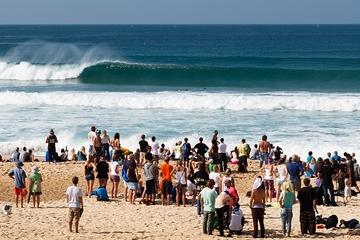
x,y
232,191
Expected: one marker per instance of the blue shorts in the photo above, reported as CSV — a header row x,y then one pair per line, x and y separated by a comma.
x,y
132,185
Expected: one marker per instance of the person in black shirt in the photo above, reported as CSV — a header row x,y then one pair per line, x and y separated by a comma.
x,y
201,148
51,140
143,149
326,172
307,199
200,179
102,168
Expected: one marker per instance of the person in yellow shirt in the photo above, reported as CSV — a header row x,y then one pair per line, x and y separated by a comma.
x,y
243,151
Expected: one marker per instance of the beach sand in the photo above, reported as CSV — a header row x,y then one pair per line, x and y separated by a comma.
x,y
120,220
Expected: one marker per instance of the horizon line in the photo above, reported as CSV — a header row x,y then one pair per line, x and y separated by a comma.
x,y
177,24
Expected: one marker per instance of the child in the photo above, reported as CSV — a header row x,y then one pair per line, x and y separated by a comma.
x,y
75,203
347,190
35,181
19,175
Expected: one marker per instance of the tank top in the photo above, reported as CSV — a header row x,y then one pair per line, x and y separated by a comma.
x,y
282,171
268,175
180,178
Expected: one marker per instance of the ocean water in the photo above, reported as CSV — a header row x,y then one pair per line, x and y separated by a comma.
x,y
300,84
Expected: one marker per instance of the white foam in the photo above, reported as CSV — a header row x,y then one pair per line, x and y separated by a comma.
x,y
188,100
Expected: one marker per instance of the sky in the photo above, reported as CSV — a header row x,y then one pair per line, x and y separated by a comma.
x,y
179,12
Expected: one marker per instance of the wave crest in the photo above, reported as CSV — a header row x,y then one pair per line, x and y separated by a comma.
x,y
301,101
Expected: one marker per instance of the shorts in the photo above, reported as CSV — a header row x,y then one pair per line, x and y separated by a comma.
x,y
35,193
74,213
132,185
296,184
166,187
280,181
269,184
114,178
150,186
181,188
90,177
142,157
19,191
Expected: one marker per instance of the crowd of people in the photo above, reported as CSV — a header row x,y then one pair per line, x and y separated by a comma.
x,y
201,176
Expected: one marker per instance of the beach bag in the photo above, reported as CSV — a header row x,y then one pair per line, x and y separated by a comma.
x,y
331,221
351,223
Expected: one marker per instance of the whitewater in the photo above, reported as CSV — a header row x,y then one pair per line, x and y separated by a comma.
x,y
188,100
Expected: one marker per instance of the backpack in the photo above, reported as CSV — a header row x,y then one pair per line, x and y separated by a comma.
x,y
331,221
186,148
351,223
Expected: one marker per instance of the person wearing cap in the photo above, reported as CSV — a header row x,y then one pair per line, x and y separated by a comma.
x,y
51,140
35,180
18,175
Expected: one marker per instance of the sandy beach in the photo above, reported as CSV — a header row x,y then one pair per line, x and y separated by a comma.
x,y
118,219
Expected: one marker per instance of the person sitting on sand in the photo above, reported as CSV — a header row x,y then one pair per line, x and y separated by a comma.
x,y
89,168
307,199
35,180
82,155
18,175
132,175
166,170
72,156
75,204
208,197
286,200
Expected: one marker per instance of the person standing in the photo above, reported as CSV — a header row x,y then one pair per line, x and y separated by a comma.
x,y
91,139
223,205
105,142
51,140
75,203
114,178
286,200
295,170
326,172
166,170
35,180
307,199
201,148
208,197
264,150
89,169
116,147
18,175
186,152
243,151
133,182
143,149
257,205
102,168
200,179
155,149
351,171
222,155
150,171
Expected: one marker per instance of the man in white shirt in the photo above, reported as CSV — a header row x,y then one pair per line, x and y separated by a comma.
x,y
154,149
75,204
223,155
91,138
